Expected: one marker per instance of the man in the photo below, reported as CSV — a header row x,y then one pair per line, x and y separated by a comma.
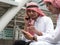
x,y
42,23
54,38
37,22
54,7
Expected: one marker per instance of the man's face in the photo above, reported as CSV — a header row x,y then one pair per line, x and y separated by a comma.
x,y
53,9
32,14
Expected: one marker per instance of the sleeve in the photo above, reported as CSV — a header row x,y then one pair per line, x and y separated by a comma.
x,y
49,31
56,33
54,36
46,25
49,26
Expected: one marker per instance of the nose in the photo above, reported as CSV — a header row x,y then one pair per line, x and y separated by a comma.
x,y
31,12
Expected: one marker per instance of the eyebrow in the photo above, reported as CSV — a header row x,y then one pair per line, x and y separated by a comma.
x,y
49,3
32,6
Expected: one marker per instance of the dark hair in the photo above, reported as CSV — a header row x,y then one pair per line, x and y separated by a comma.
x,y
48,3
31,6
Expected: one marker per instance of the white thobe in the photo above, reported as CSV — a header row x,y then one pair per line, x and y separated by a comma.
x,y
43,24
52,38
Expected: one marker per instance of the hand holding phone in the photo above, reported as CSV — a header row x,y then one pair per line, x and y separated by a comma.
x,y
27,35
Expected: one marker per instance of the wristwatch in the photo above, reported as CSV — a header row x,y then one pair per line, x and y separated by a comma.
x,y
35,38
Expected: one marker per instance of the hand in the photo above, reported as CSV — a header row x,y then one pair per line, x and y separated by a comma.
x,y
27,35
31,28
25,20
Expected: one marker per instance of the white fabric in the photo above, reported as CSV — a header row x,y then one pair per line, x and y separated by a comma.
x,y
43,24
56,34
40,43
51,38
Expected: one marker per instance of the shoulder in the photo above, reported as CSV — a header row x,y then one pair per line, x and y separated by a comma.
x,y
46,18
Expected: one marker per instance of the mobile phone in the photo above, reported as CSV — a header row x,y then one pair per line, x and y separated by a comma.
x,y
27,18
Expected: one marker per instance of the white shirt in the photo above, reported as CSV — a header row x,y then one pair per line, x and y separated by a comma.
x,y
54,36
44,24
